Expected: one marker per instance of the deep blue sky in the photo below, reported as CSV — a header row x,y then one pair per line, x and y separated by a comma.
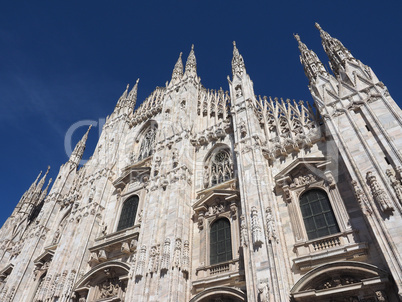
x,y
66,61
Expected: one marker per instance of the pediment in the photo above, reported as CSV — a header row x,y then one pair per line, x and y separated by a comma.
x,y
314,164
131,174
6,271
44,257
214,197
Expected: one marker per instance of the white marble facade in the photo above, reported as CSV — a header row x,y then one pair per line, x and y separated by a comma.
x,y
212,195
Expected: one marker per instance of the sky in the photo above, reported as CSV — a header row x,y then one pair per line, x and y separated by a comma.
x,y
62,62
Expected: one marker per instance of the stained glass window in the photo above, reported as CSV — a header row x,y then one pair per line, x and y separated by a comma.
x,y
220,241
318,216
128,212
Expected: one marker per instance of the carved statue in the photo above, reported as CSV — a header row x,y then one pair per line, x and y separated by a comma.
x,y
255,227
361,199
272,236
243,231
378,193
396,185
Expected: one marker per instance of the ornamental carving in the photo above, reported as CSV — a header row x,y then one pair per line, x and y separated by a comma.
x,y
396,184
303,180
243,231
165,263
109,288
186,257
177,252
361,199
378,193
337,281
255,227
141,262
271,230
153,262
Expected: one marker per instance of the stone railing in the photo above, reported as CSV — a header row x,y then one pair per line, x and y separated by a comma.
x,y
324,243
336,246
231,266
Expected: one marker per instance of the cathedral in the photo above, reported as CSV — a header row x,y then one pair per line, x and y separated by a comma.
x,y
207,195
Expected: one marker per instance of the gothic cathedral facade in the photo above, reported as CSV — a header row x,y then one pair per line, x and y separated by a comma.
x,y
210,195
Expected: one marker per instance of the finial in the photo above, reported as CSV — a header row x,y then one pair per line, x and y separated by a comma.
x,y
318,26
180,54
136,82
192,46
297,37
128,85
234,43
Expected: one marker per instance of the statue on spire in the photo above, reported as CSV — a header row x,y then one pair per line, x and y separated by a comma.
x,y
238,66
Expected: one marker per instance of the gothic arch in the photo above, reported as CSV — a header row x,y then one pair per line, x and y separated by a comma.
x,y
234,294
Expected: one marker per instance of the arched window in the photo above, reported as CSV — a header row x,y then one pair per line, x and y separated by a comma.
x,y
147,144
219,169
220,241
128,212
318,216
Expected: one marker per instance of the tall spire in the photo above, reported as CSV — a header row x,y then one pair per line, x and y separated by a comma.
x,y
42,181
132,96
238,66
44,192
191,64
336,52
33,185
177,71
76,156
311,63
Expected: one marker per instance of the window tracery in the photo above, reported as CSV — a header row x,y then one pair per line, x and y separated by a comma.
x,y
219,169
147,144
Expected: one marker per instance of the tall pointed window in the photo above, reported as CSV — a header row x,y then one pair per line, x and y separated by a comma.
x,y
147,144
220,241
128,212
318,216
219,169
